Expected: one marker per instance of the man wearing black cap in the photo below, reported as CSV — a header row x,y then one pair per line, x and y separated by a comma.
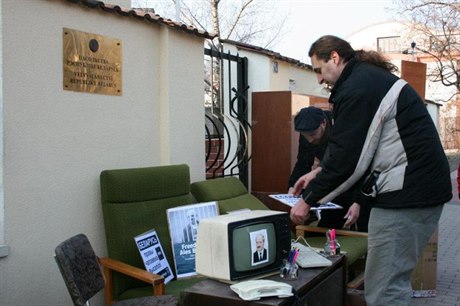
x,y
314,126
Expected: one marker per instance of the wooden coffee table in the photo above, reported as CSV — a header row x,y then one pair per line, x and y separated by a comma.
x,y
315,286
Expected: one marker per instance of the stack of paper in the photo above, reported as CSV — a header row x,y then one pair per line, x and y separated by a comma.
x,y
291,200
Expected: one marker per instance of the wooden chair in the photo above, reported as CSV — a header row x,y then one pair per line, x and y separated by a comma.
x,y
81,270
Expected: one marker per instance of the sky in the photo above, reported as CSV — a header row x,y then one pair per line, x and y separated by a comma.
x,y
314,18
310,19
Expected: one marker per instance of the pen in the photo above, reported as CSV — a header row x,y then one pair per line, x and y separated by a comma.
x,y
291,255
295,256
333,241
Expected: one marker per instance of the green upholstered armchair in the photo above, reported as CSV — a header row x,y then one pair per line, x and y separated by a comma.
x,y
133,202
229,192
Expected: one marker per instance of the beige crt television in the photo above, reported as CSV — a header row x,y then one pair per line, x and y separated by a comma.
x,y
227,245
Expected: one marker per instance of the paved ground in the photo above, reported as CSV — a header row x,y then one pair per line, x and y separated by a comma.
x,y
448,269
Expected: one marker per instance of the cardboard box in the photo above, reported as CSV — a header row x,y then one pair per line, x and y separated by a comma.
x,y
424,276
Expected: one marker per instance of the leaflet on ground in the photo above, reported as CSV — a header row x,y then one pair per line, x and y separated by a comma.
x,y
291,200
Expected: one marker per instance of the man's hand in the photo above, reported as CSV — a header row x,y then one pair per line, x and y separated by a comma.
x,y
352,215
316,163
304,180
299,213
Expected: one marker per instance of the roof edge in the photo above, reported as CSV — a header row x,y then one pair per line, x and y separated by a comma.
x,y
148,17
269,53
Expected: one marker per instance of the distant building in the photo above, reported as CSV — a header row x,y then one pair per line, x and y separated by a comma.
x,y
396,40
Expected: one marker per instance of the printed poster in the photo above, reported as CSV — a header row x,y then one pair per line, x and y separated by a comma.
x,y
183,227
152,255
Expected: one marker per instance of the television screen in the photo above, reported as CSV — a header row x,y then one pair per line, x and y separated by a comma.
x,y
254,246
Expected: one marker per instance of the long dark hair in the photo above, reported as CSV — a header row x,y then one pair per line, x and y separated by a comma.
x,y
324,45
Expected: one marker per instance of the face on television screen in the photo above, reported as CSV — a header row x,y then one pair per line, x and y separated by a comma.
x,y
254,246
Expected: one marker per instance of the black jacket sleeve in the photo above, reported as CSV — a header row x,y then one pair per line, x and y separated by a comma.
x,y
353,113
305,159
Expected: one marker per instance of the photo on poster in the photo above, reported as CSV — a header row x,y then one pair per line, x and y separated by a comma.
x,y
259,247
183,224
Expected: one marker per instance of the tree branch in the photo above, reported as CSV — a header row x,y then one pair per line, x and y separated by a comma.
x,y
238,17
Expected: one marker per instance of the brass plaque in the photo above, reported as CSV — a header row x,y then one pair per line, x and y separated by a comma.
x,y
92,63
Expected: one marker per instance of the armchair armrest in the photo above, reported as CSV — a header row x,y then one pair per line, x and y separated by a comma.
x,y
301,229
110,264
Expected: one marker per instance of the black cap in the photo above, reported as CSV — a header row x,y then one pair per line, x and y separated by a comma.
x,y
309,119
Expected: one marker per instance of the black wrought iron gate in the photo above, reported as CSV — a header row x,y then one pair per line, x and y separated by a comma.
x,y
226,105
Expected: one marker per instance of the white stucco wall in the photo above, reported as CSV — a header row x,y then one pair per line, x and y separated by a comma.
x,y
262,77
57,142
305,80
258,68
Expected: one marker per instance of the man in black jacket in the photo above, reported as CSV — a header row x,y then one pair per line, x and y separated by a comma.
x,y
314,125
384,140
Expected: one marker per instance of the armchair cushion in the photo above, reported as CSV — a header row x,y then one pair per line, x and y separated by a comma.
x,y
140,184
354,247
173,288
229,192
353,243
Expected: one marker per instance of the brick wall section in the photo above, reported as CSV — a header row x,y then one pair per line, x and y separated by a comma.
x,y
214,143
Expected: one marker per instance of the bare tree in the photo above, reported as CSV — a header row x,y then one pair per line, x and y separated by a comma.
x,y
436,30
258,22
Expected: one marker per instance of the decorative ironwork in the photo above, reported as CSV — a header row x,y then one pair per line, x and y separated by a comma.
x,y
227,127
